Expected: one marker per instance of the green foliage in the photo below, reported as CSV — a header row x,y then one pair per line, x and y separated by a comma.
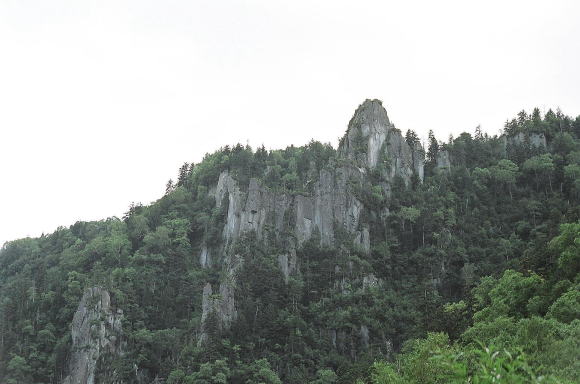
x,y
443,364
19,372
567,307
259,372
487,253
567,247
325,376
216,372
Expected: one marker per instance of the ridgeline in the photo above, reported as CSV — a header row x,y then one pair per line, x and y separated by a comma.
x,y
377,262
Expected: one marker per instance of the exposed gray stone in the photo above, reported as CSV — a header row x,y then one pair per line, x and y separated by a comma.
x,y
371,140
364,336
96,330
287,263
304,218
369,127
205,257
208,305
419,161
249,211
443,160
533,139
370,143
389,350
363,239
369,281
333,337
222,305
538,140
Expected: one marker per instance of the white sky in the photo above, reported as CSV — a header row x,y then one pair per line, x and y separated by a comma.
x,y
102,101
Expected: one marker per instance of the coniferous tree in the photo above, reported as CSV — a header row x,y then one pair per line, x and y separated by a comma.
x,y
411,138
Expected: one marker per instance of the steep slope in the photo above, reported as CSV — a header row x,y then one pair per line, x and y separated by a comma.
x,y
95,337
289,220
263,265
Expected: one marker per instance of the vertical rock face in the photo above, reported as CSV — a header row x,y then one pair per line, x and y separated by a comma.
x,y
370,281
96,331
371,140
371,144
533,139
367,132
364,336
222,305
523,140
418,156
249,211
443,160
538,140
333,202
205,257
287,263
208,306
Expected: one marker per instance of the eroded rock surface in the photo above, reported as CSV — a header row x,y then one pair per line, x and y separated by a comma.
x,y
249,211
287,263
220,306
443,160
533,139
96,331
371,144
372,140
205,257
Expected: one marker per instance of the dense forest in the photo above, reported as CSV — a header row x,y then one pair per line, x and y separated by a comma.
x,y
462,267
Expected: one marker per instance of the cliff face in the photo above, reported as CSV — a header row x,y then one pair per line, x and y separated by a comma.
x,y
249,211
533,139
222,304
367,131
372,140
291,259
333,200
443,160
96,331
371,143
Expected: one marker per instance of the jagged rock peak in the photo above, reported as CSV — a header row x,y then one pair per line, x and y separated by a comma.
x,y
367,131
370,112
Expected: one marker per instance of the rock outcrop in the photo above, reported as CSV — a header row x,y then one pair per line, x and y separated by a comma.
x,y
367,132
333,202
533,139
371,144
372,140
205,257
96,332
249,211
287,263
220,306
443,160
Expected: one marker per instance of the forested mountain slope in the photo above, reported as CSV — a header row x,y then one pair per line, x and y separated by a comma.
x,y
376,262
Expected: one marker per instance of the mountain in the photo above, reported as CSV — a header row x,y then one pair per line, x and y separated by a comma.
x,y
378,261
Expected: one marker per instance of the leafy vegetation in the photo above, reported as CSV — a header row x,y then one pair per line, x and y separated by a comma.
x,y
471,277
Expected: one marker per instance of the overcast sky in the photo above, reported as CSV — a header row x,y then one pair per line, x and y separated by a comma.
x,y
102,101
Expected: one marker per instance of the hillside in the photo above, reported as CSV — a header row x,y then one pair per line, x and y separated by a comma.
x,y
379,261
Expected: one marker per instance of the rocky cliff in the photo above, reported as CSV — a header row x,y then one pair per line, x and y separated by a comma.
x,y
96,335
371,144
372,140
537,140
